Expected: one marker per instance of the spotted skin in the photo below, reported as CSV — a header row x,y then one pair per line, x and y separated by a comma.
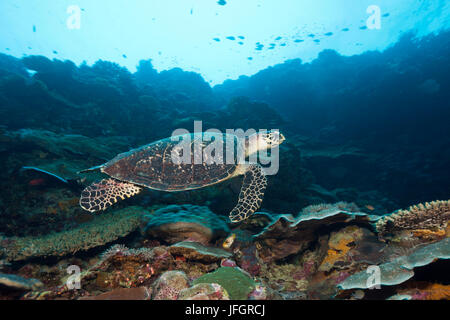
x,y
151,166
251,195
101,195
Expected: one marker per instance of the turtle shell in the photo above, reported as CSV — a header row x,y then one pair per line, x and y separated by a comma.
x,y
155,167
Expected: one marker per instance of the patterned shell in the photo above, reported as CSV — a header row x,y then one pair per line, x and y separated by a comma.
x,y
179,163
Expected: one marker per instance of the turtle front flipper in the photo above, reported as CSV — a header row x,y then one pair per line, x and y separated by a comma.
x,y
251,195
101,195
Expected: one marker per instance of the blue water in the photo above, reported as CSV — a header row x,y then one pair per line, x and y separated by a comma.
x,y
360,90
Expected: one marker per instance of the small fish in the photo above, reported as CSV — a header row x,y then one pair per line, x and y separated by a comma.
x,y
370,207
36,182
229,241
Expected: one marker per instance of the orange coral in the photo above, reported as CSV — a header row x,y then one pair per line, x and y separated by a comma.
x,y
335,253
429,234
438,292
427,291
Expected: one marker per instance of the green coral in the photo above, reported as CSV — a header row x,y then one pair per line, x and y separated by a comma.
x,y
101,230
236,283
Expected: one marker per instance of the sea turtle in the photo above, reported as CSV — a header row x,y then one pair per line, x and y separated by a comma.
x,y
160,166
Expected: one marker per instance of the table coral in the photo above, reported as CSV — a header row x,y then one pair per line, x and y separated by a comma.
x,y
430,216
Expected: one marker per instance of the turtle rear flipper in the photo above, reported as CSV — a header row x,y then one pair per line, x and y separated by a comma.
x,y
251,195
101,195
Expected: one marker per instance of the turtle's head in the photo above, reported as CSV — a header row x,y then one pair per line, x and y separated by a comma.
x,y
264,140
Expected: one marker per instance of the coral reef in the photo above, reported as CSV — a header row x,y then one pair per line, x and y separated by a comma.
x,y
432,216
198,252
287,235
338,244
101,230
140,293
423,291
353,154
402,268
185,222
204,291
236,283
170,284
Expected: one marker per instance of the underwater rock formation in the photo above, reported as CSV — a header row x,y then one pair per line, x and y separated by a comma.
x,y
177,223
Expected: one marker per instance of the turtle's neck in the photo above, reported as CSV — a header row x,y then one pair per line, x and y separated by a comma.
x,y
251,145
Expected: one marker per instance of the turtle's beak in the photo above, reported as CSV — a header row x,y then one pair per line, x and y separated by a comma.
x,y
282,138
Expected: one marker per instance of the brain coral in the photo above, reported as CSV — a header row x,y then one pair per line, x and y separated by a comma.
x,y
236,283
177,223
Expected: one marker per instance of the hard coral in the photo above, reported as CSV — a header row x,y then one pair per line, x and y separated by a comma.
x,y
204,291
101,230
176,223
198,252
233,280
431,216
170,284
